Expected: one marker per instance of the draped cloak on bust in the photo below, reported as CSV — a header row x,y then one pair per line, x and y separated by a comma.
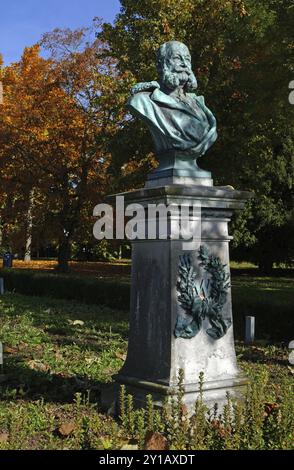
x,y
185,126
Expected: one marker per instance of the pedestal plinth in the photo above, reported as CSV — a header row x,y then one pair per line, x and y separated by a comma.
x,y
157,350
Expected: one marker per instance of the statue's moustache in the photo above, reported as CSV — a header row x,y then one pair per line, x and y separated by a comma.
x,y
180,76
183,76
184,70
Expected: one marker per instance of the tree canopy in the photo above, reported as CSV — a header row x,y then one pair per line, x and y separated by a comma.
x,y
55,122
67,139
242,53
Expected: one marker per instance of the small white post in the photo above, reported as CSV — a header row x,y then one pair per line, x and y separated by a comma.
x,y
250,329
1,286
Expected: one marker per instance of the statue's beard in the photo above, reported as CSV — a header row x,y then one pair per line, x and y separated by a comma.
x,y
173,80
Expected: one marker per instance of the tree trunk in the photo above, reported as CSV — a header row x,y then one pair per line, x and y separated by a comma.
x,y
266,266
64,251
29,229
120,252
70,219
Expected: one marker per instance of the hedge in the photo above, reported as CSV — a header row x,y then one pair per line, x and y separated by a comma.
x,y
82,289
273,309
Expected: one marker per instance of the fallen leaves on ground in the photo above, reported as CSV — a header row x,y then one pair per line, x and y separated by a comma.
x,y
38,366
269,408
121,356
155,441
4,436
129,447
78,322
10,350
66,428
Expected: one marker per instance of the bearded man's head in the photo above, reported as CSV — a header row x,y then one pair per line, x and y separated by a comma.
x,y
174,66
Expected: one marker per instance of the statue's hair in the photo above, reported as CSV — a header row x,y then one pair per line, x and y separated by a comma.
x,y
162,51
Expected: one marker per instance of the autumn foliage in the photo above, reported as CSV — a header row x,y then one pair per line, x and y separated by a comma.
x,y
66,139
56,121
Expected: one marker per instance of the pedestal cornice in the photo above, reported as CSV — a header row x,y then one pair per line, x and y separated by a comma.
x,y
220,197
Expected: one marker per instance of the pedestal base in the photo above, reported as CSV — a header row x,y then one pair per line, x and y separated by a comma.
x,y
178,168
178,180
214,391
157,351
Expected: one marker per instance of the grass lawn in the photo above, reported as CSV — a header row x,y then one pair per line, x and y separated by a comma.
x,y
57,354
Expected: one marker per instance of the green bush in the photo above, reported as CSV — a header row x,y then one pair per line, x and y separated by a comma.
x,y
249,424
82,289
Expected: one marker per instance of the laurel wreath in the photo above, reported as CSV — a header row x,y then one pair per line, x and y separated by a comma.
x,y
196,304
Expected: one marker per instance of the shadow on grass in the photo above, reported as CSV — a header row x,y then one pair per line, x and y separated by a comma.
x,y
262,359
96,343
51,346
57,317
255,272
24,384
262,352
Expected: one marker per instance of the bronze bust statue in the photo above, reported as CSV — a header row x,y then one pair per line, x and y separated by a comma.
x,y
182,126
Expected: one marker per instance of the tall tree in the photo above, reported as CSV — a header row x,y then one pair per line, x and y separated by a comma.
x,y
55,124
242,52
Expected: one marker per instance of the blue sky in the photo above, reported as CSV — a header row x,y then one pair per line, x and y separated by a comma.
x,y
22,22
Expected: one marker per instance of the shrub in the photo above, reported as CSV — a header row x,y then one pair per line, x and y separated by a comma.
x,y
82,289
251,424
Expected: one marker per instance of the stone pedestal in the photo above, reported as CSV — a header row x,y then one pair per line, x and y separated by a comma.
x,y
155,354
176,168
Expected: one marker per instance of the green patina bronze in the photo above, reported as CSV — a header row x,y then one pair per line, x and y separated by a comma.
x,y
182,126
202,300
